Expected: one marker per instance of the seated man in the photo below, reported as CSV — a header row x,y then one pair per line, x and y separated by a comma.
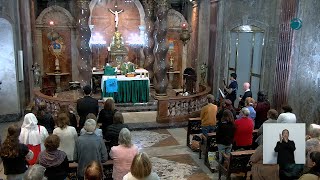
x,y
208,116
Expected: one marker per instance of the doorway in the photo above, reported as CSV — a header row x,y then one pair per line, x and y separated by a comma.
x,y
245,57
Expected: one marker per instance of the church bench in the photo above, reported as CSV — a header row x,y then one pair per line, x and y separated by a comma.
x,y
107,170
194,127
236,162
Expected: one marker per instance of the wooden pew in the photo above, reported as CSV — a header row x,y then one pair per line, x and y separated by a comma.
x,y
236,162
194,127
107,170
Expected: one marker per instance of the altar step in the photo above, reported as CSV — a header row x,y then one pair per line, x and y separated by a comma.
x,y
137,107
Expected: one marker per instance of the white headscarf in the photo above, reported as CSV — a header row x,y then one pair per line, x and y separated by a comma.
x,y
30,131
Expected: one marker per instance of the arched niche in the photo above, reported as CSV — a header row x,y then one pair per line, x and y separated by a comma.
x,y
8,75
64,24
174,22
102,22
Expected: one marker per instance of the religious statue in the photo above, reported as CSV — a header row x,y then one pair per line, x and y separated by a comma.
x,y
36,74
116,18
117,49
117,40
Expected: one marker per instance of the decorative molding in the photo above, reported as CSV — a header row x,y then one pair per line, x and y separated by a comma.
x,y
175,19
60,16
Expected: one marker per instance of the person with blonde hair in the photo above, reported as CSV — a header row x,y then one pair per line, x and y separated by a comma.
x,y
33,135
141,168
123,155
250,103
67,134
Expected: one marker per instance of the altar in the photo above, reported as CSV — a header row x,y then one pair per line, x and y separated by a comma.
x,y
129,89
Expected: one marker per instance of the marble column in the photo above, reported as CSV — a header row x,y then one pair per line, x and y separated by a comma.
x,y
148,49
84,34
161,49
203,42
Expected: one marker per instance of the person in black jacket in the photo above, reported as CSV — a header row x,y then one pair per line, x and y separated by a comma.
x,y
45,119
55,161
14,155
247,93
285,149
106,114
225,133
113,130
86,105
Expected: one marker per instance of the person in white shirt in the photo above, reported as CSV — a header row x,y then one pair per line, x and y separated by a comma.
x,y
67,134
287,116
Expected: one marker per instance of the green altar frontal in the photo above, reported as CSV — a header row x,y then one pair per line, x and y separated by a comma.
x,y
130,90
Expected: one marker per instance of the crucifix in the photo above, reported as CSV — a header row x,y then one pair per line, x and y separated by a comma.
x,y
116,13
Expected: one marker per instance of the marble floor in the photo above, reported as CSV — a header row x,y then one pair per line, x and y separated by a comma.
x,y
171,158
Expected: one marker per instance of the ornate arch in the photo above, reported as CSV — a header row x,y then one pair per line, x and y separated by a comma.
x,y
138,4
59,15
175,19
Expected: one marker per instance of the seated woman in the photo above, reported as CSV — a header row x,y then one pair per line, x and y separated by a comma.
x,y
314,173
113,130
225,134
244,129
106,114
123,155
67,134
14,154
54,160
141,168
262,171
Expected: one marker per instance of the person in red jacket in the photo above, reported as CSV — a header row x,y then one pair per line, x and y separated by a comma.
x,y
244,129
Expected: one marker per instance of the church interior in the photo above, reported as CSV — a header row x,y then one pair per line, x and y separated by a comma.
x,y
159,60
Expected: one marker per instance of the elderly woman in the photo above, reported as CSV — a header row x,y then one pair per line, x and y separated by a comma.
x,y
98,131
113,130
123,155
262,171
33,135
67,134
244,129
14,154
54,160
106,115
35,172
141,168
89,147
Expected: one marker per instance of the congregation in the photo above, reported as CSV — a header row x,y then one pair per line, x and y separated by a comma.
x,y
44,146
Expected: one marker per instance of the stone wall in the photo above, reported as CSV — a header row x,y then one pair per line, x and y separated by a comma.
x,y
231,14
304,87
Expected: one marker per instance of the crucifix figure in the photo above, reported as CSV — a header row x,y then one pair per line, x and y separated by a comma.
x,y
116,18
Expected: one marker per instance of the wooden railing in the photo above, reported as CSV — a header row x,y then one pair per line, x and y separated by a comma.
x,y
173,109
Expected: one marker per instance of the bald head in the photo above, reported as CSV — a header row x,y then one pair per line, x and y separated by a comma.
x,y
246,86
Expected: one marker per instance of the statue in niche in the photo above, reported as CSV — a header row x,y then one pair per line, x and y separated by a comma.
x,y
36,74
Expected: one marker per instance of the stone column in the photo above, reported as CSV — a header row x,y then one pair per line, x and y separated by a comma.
x,y
149,30
203,42
84,34
74,55
161,49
